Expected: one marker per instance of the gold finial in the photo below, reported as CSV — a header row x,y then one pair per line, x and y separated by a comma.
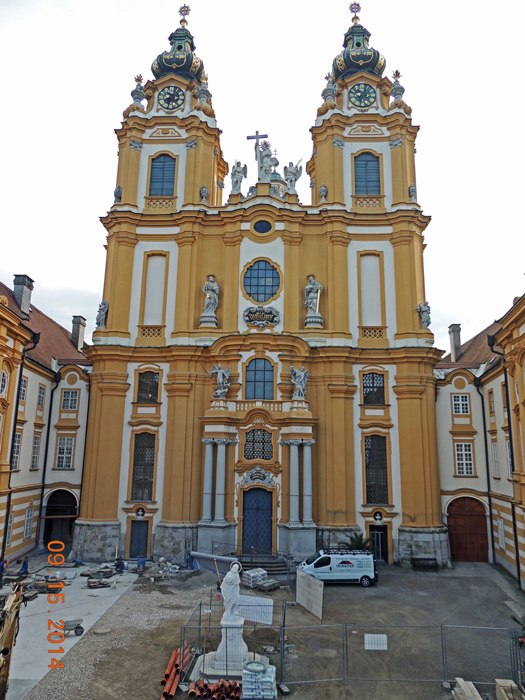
x,y
355,7
396,75
138,79
184,11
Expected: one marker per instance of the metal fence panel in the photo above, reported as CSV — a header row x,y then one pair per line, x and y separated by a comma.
x,y
478,654
394,653
313,654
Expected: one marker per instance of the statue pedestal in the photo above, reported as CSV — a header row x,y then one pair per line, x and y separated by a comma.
x,y
230,657
313,320
208,321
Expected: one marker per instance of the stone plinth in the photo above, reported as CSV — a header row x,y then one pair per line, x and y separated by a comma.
x,y
208,321
313,320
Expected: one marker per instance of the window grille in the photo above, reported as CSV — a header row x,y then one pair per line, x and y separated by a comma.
x,y
367,174
495,462
70,400
23,390
259,380
376,469
373,389
464,459
17,442
460,404
65,453
41,396
35,453
261,281
148,387
258,445
29,523
162,178
143,466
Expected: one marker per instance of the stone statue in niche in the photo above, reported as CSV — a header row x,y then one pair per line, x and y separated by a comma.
x,y
222,380
291,174
102,314
211,302
230,587
312,296
424,313
239,172
299,380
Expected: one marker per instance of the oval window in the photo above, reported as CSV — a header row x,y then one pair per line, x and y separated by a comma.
x,y
262,226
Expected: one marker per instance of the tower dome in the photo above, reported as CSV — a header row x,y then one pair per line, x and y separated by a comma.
x,y
357,56
181,59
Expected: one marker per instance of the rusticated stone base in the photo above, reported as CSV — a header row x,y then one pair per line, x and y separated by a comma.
x,y
297,541
335,536
174,542
422,542
95,541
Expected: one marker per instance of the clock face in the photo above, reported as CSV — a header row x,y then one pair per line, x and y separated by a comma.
x,y
171,97
362,95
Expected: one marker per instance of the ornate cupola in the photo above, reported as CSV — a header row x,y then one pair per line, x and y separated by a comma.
x,y
181,59
357,55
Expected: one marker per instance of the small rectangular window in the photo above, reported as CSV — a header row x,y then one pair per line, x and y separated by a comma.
x,y
29,523
70,400
17,443
148,387
373,389
495,462
491,402
501,534
9,530
41,396
65,452
509,458
460,404
464,459
35,453
23,390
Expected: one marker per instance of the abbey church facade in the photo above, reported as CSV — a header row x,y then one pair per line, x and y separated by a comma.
x,y
263,368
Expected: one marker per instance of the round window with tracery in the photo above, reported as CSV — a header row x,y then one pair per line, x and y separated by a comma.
x,y
261,281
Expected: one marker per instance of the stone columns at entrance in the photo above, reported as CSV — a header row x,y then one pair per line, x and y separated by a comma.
x,y
208,481
307,481
294,480
220,480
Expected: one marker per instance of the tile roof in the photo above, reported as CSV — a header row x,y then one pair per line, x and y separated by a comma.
x,y
55,341
475,351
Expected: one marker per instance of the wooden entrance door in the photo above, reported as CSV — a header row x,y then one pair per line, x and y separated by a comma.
x,y
467,530
257,521
138,541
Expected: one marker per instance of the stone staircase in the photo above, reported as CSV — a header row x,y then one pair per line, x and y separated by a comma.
x,y
274,565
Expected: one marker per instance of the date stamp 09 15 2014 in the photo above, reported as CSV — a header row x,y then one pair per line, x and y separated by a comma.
x,y
55,636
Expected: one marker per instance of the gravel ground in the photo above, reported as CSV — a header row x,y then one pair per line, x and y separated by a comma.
x,y
141,609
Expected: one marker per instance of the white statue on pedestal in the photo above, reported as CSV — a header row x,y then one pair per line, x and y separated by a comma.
x,y
230,593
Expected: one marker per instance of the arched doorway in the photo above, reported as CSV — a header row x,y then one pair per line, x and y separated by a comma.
x,y
60,515
467,530
257,521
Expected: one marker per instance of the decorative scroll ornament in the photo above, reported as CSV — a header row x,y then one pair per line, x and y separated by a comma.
x,y
258,476
261,316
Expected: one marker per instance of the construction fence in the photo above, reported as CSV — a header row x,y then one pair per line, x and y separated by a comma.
x,y
351,653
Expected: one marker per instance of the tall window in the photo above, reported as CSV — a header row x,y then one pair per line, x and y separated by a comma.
x,y
460,404
70,400
23,390
148,387
491,401
366,174
464,458
9,529
35,452
162,178
65,452
376,469
259,380
143,466
4,381
41,396
258,445
373,389
29,523
509,458
495,462
15,461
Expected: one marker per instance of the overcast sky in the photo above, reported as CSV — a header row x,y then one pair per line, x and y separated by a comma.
x,y
68,69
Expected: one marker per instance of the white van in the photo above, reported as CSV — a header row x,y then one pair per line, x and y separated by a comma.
x,y
337,564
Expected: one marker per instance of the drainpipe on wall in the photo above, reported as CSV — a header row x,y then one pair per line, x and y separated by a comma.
x,y
477,384
36,340
57,378
491,341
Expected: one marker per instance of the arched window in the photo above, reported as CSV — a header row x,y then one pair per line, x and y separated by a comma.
x,y
373,389
143,466
376,470
4,382
366,174
259,380
148,387
162,177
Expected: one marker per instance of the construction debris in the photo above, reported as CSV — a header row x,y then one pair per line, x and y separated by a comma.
x,y
258,681
252,578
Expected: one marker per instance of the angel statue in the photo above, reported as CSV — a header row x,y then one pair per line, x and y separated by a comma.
x,y
239,172
291,174
222,380
299,380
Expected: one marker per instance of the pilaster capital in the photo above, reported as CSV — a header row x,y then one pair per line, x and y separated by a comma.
x,y
291,443
225,441
208,441
308,443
